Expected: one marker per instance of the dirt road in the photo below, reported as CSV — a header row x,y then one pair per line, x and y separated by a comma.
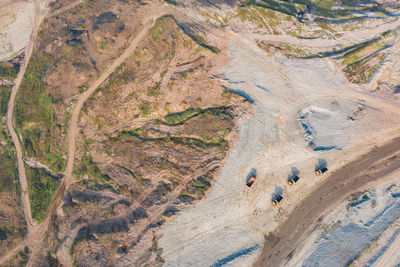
x,y
34,232
280,245
65,8
10,254
68,179
10,112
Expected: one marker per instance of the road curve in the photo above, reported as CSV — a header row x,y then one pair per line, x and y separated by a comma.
x,y
376,164
10,113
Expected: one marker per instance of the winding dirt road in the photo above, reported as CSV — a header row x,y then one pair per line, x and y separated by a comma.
x,y
373,166
36,232
10,113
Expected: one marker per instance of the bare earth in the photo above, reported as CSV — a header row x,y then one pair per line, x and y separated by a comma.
x,y
279,246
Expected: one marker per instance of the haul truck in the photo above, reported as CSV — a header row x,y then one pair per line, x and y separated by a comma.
x,y
293,180
277,199
321,171
251,181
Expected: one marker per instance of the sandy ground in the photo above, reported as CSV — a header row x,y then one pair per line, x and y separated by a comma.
x,y
229,226
16,25
351,228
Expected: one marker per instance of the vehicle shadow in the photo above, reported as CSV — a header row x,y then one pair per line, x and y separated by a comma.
x,y
278,191
252,173
295,172
321,163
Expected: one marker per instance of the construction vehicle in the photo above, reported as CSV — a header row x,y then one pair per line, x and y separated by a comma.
x,y
277,199
124,247
251,181
321,171
293,180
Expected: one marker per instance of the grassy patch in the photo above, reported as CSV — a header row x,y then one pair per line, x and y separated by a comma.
x,y
181,117
42,189
202,142
145,109
198,39
295,50
154,90
21,259
98,180
5,92
360,53
86,166
103,45
34,113
8,170
8,71
158,29
200,185
286,8
361,72
342,50
322,9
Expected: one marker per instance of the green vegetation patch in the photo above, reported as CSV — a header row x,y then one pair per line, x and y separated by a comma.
x,y
21,259
5,92
145,109
98,180
33,104
8,71
283,7
361,52
181,117
325,10
34,113
262,17
42,188
200,185
86,166
341,51
158,29
361,71
295,50
198,39
8,168
154,90
134,136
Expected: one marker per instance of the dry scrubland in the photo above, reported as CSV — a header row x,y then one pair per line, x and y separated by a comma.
x,y
212,92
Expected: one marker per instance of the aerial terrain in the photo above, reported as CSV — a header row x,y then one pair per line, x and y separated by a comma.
x,y
200,133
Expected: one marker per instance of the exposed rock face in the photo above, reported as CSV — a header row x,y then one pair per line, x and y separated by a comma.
x,y
16,23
